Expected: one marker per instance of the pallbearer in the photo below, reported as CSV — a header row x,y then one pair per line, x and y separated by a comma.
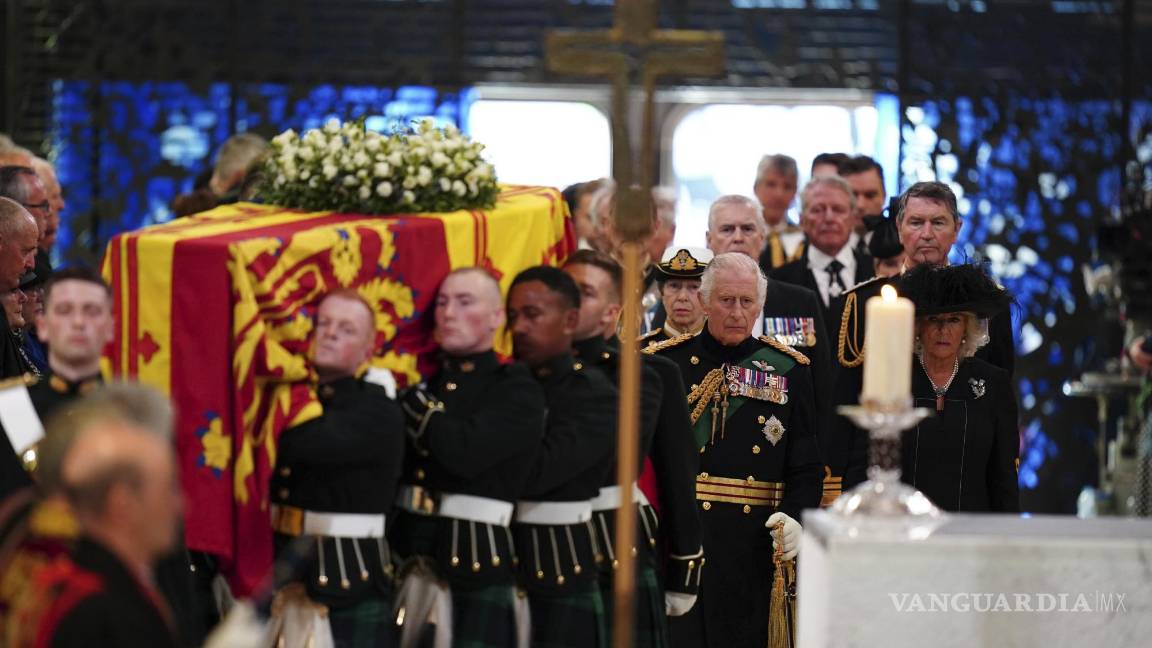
x,y
665,436
552,527
751,404
474,430
336,477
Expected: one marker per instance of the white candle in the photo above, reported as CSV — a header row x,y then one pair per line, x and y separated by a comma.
x,y
888,348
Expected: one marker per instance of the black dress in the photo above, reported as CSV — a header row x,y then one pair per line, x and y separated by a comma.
x,y
964,457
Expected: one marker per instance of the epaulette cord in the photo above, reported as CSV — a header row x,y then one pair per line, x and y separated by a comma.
x,y
784,348
666,344
843,345
23,380
655,331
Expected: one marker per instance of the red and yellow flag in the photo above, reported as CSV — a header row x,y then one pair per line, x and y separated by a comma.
x,y
216,310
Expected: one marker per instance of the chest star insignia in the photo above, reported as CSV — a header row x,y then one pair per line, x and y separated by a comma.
x,y
773,430
977,385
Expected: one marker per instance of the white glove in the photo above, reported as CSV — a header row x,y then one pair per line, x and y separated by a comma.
x,y
786,538
678,603
239,629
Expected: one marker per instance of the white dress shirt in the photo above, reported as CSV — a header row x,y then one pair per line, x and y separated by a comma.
x,y
818,262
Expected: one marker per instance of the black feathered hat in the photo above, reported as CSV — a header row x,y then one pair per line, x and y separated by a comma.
x,y
965,288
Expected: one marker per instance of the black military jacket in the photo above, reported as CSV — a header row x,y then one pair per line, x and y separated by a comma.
x,y
347,460
483,444
118,611
674,458
579,445
48,394
758,455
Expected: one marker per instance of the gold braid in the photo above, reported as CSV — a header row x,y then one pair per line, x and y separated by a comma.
x,y
700,396
849,307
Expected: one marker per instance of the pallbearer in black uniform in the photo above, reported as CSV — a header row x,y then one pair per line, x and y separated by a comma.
x,y
928,223
751,403
964,457
678,280
665,437
553,520
474,430
336,479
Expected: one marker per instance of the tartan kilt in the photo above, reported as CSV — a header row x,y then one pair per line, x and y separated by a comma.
x,y
365,624
484,617
650,623
575,620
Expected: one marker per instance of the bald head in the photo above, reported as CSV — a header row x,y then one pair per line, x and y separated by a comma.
x,y
19,236
16,156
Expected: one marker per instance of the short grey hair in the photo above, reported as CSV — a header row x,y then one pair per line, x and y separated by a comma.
x,y
600,200
739,201
783,164
737,262
929,190
832,181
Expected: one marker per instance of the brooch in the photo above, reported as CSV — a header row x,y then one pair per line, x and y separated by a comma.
x,y
773,430
977,386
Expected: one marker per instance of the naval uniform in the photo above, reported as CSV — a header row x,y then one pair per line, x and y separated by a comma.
x,y
847,451
753,418
553,519
463,472
334,483
964,457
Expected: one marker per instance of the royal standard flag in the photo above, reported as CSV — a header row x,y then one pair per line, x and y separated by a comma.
x,y
216,310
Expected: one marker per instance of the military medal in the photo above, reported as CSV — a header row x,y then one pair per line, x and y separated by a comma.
x,y
760,385
773,430
793,331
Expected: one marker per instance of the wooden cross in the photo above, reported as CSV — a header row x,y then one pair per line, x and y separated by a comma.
x,y
632,47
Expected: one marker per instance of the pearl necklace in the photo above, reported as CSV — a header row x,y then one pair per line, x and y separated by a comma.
x,y
940,391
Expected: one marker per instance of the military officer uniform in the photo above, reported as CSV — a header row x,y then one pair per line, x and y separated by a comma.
x,y
752,411
553,530
334,483
474,432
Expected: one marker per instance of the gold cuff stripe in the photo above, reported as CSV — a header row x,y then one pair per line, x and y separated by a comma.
x,y
728,481
732,499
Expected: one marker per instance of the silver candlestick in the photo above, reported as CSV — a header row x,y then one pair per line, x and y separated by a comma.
x,y
883,503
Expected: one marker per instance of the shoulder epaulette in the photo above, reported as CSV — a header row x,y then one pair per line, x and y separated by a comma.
x,y
655,331
667,344
23,380
784,348
866,282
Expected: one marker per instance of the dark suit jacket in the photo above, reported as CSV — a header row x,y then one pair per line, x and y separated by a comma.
x,y
799,274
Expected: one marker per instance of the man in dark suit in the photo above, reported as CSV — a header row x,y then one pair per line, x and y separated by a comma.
x,y
830,265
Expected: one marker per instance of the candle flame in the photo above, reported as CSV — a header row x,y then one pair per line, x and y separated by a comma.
x,y
888,293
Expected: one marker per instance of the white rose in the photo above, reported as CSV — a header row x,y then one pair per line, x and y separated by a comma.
x,y
307,154
439,159
284,138
384,189
335,144
280,180
472,188
409,182
351,181
330,171
332,126
305,174
424,176
313,137
459,188
395,159
373,143
484,171
451,131
365,192
382,170
314,182
409,197
445,184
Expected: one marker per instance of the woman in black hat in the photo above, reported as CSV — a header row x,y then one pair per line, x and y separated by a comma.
x,y
965,457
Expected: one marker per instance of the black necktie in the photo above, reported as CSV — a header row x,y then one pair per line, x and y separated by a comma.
x,y
835,282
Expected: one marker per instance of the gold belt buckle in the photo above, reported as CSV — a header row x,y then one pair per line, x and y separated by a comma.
x,y
423,501
289,520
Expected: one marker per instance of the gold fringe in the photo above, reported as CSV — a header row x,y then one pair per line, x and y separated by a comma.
x,y
671,342
782,605
698,398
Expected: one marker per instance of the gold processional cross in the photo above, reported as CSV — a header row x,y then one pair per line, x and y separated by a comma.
x,y
633,48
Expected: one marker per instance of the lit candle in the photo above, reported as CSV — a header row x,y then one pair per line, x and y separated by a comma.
x,y
888,348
